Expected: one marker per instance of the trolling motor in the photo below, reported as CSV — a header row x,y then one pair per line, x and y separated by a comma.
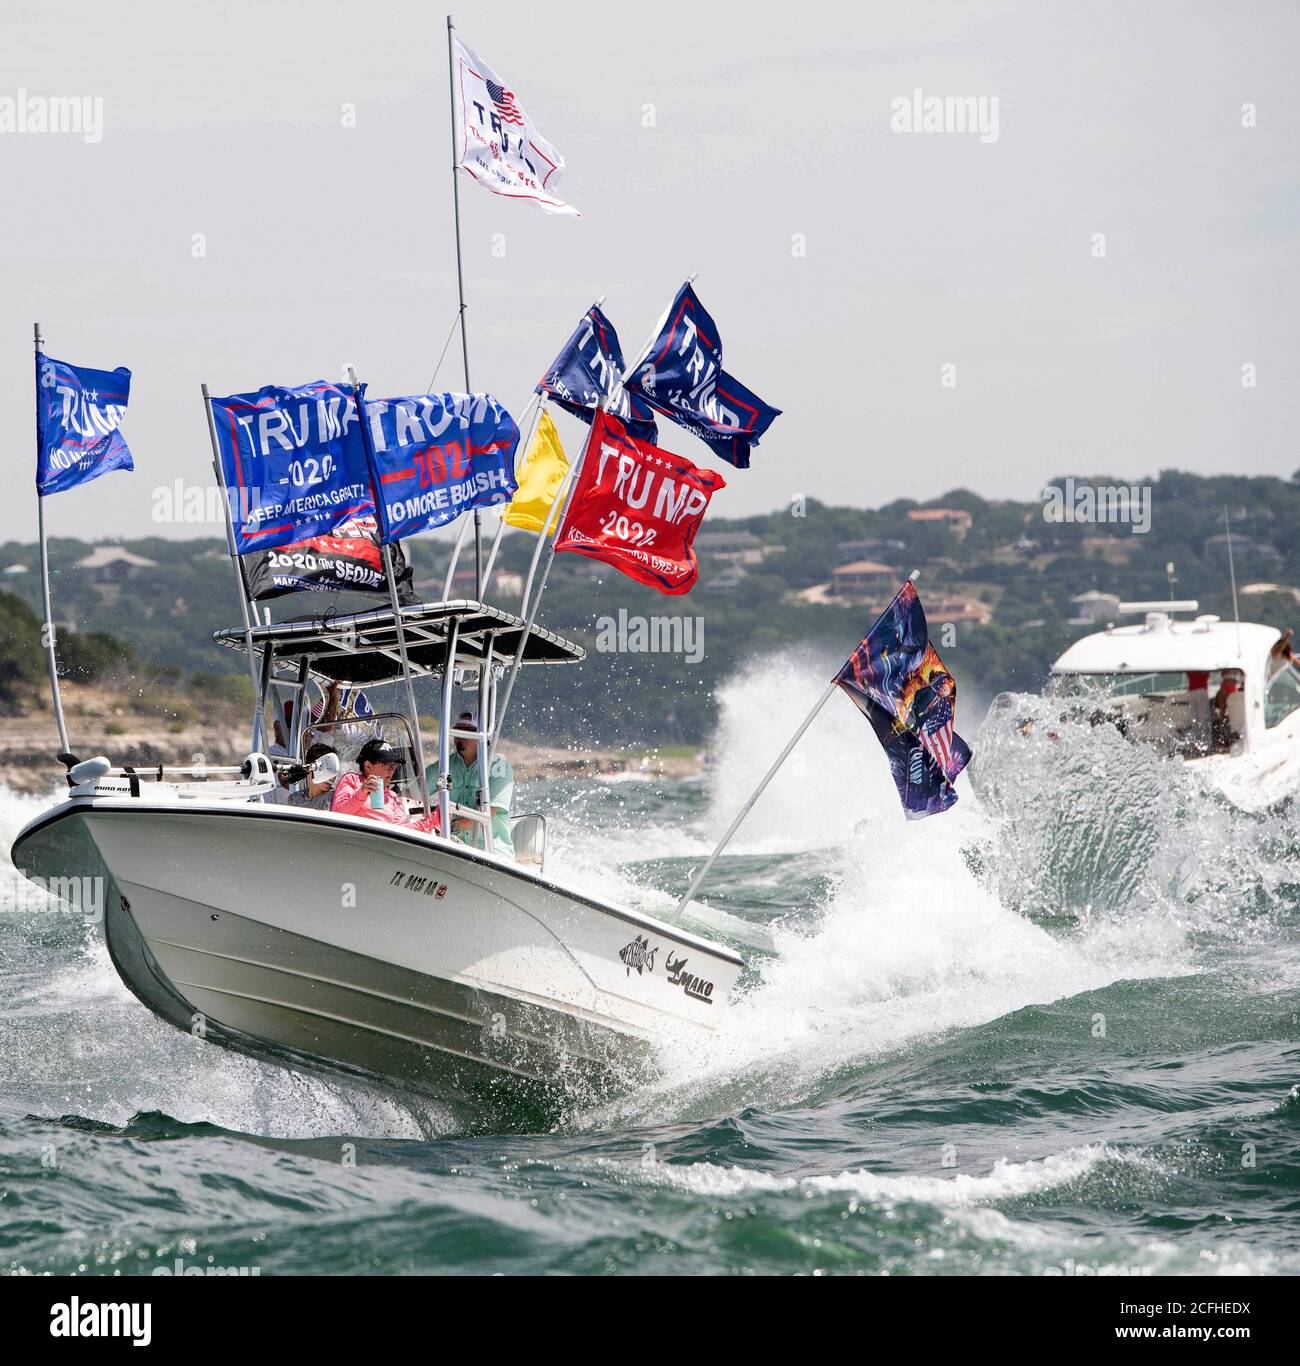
x,y
327,766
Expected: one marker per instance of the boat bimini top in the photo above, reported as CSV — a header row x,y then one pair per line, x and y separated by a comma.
x,y
362,647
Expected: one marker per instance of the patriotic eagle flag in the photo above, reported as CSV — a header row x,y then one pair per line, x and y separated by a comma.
x,y
897,680
497,144
78,413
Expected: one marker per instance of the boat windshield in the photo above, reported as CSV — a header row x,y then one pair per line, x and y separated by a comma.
x,y
1283,695
1177,712
1119,685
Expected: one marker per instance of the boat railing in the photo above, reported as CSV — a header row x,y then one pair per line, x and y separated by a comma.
x,y
237,782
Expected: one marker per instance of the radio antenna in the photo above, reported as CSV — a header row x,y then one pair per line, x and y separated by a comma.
x,y
1232,574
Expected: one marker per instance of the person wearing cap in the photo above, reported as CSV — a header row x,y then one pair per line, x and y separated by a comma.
x,y
317,796
463,773
280,749
377,763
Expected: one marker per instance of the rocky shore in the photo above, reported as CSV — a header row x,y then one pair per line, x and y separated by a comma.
x,y
100,722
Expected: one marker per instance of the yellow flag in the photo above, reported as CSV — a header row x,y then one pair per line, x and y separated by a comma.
x,y
543,472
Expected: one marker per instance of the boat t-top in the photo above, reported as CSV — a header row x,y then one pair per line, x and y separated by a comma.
x,y
343,944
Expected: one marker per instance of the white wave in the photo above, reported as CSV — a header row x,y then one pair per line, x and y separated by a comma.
x,y
1006,1180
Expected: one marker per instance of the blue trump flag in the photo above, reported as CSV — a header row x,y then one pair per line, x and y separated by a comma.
x,y
682,377
78,412
897,680
434,456
293,461
589,370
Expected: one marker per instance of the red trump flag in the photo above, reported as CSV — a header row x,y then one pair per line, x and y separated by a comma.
x,y
638,507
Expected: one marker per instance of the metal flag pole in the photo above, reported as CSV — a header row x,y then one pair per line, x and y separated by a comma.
x,y
535,408
1232,572
460,285
406,674
758,791
480,584
561,494
455,556
233,551
45,561
484,757
650,340
536,602
748,806
393,598
530,603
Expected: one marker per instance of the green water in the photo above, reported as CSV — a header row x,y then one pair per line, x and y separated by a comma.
x,y
1054,1031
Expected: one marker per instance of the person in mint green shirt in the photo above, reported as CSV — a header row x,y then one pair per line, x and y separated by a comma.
x,y
463,771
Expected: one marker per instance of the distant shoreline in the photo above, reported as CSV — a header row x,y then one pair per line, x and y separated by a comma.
x,y
28,744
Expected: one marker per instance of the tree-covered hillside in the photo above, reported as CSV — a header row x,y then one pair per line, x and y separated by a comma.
x,y
1020,569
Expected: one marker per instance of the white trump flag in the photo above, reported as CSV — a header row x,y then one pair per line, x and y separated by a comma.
x,y
496,142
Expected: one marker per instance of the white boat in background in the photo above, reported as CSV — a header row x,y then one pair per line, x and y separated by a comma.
x,y
1213,693
342,944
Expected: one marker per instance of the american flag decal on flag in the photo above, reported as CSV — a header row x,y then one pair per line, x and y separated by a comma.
x,y
898,682
504,100
497,143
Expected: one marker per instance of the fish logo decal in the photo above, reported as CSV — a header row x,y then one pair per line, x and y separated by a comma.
x,y
639,955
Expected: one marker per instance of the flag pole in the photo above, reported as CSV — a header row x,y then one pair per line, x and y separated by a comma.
x,y
531,604
536,601
650,340
45,561
393,598
480,586
758,791
748,806
536,408
460,285
238,564
455,556
560,495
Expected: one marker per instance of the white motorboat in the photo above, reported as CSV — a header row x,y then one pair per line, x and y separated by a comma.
x,y
1213,693
344,944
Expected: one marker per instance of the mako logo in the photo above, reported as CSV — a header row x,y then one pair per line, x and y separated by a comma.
x,y
77,1320
695,987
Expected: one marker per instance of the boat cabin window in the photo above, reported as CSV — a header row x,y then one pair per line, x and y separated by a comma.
x,y
1283,696
1120,685
1179,713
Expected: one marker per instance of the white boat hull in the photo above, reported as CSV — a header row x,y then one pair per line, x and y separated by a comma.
x,y
344,944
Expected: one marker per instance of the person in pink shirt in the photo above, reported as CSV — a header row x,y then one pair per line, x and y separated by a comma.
x,y
377,762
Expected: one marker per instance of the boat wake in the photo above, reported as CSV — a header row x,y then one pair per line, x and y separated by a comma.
x,y
1064,868
1070,863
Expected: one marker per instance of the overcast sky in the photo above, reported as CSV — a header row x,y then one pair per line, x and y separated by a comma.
x,y
327,244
